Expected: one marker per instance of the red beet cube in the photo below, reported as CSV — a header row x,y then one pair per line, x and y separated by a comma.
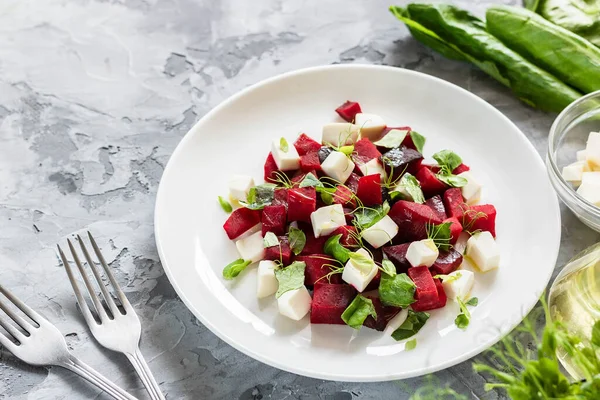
x,y
407,140
349,235
439,303
455,204
240,221
313,245
430,184
455,229
282,253
329,302
310,162
305,144
352,182
426,293
482,217
274,219
299,176
437,205
374,284
348,110
461,168
280,197
301,203
344,196
384,314
397,255
270,169
365,151
317,266
447,261
369,190
411,219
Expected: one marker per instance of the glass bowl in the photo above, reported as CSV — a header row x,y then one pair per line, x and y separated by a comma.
x,y
569,134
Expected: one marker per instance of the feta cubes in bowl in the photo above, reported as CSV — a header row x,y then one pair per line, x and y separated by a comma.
x,y
573,159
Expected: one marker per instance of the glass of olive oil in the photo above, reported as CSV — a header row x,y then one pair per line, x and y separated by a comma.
x,y
575,298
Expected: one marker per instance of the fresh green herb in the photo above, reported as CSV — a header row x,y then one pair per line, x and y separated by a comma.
x,y
452,180
347,150
310,180
413,324
365,217
447,159
283,145
297,240
412,187
411,344
393,138
235,268
358,311
440,234
463,319
326,194
418,140
290,277
388,267
449,278
225,205
282,180
270,240
363,263
260,196
333,248
397,291
473,301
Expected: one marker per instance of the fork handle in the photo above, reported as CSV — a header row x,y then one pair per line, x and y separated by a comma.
x,y
143,370
93,376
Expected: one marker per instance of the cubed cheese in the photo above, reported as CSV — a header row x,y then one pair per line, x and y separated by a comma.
x,y
424,252
339,134
371,126
483,250
573,172
239,186
251,248
396,322
472,190
373,167
294,304
459,284
337,166
359,276
285,160
581,155
590,187
381,233
327,219
266,283
461,243
592,150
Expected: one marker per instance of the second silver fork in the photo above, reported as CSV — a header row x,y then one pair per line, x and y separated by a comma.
x,y
116,329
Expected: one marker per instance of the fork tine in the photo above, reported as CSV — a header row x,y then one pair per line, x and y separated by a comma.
x,y
8,344
8,327
21,306
124,302
107,296
83,306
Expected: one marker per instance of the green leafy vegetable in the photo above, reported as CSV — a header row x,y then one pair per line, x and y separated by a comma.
x,y
333,248
393,138
463,319
358,311
531,4
411,344
290,277
418,140
440,234
388,267
363,263
397,291
473,301
310,180
450,278
225,205
347,150
365,217
297,240
283,145
270,240
448,160
260,196
235,268
413,324
578,16
326,194
452,180
568,56
411,186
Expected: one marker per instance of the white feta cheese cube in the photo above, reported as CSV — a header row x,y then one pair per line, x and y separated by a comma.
x,y
461,242
373,167
251,248
285,160
381,233
483,250
396,322
266,283
327,219
358,276
371,126
472,190
424,252
573,172
459,284
592,150
581,155
337,166
254,229
590,187
239,186
294,304
339,134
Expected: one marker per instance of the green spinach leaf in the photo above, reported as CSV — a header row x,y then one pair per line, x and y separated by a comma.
x,y
358,311
397,291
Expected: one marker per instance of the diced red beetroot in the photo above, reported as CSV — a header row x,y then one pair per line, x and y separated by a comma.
x,y
397,255
482,217
329,302
282,253
349,235
430,184
344,196
433,168
270,169
348,215
461,168
439,303
352,182
316,269
240,221
455,204
414,166
305,144
365,151
273,219
426,293
374,284
280,198
310,162
369,190
447,261
313,245
455,229
437,205
301,203
299,176
411,219
348,110
384,314
407,140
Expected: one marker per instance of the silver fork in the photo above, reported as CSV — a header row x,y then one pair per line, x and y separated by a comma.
x,y
44,345
114,329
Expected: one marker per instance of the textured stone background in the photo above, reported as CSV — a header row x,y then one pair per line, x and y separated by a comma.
x,y
94,97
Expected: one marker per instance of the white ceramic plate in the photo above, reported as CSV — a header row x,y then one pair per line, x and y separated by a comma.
x,y
235,137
